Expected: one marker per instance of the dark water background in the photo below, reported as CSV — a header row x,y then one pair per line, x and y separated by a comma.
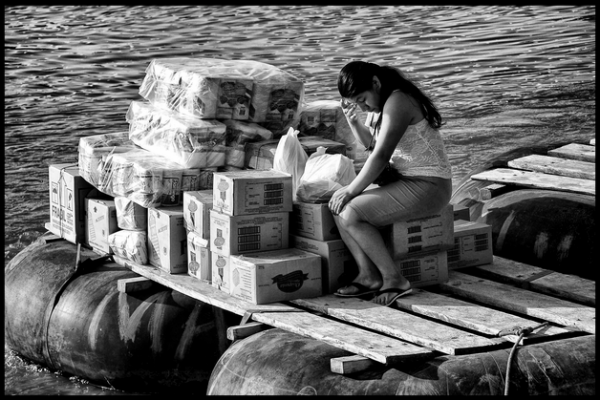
x,y
504,77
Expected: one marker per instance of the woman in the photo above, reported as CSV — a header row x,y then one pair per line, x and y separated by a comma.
x,y
408,161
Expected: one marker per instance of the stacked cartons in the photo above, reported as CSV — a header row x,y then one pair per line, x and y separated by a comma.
x,y
196,216
419,247
472,245
249,239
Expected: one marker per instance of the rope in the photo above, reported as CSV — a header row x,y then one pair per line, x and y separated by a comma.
x,y
522,333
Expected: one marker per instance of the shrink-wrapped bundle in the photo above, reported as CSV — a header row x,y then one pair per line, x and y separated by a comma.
x,y
239,132
325,118
211,88
190,142
130,245
93,148
148,179
130,215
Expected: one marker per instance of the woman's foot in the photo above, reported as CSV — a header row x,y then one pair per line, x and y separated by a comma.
x,y
391,291
359,287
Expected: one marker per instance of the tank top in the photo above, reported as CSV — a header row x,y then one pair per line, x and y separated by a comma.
x,y
420,152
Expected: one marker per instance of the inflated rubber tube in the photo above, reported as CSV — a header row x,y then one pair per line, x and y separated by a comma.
x,y
276,362
79,323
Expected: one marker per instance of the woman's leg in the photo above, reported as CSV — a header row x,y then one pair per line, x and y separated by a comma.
x,y
368,273
369,242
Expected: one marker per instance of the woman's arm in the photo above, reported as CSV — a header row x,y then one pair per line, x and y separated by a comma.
x,y
360,131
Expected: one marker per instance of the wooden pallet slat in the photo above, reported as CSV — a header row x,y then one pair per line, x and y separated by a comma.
x,y
556,166
402,325
472,316
568,287
537,305
575,151
537,180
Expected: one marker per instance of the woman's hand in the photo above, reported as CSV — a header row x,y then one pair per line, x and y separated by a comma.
x,y
339,200
350,111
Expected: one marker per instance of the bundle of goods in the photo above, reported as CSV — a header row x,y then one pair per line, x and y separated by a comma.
x,y
210,88
238,134
189,141
325,119
93,148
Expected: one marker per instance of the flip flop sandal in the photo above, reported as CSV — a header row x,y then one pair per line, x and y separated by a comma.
x,y
362,291
398,293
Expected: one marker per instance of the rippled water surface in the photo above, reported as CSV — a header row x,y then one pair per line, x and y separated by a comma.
x,y
503,77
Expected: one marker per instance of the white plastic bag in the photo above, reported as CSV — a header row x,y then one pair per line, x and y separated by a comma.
x,y
290,157
323,175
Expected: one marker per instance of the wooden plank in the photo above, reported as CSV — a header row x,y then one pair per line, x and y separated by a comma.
x,y
243,331
350,364
568,287
522,301
383,349
130,285
400,324
556,166
575,151
199,290
537,180
472,316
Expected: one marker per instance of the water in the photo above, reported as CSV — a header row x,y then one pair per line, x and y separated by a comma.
x,y
503,77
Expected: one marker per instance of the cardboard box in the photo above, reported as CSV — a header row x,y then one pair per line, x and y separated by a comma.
x,y
68,190
272,276
167,239
252,192
425,269
248,233
338,265
196,205
462,212
101,223
220,271
198,257
472,245
433,232
313,221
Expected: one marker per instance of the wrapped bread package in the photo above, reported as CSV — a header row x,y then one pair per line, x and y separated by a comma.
x,y
130,245
148,179
211,88
325,118
93,148
190,142
260,155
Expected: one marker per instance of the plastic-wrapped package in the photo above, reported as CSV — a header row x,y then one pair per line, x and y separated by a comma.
x,y
235,156
206,178
260,155
148,179
130,245
130,215
211,88
325,118
190,142
239,132
93,148
323,175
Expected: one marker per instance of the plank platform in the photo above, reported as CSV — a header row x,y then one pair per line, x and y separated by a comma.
x,y
537,305
556,166
575,151
537,180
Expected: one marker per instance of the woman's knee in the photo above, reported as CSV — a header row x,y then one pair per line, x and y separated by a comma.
x,y
348,218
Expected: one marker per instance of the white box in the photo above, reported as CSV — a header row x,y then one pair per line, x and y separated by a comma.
x,y
101,223
196,205
167,239
424,269
273,276
313,221
220,271
248,233
68,191
198,257
472,245
252,192
338,265
432,232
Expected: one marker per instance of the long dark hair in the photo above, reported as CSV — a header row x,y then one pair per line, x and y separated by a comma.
x,y
357,77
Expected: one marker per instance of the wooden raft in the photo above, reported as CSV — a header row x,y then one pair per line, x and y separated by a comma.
x,y
569,168
465,318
